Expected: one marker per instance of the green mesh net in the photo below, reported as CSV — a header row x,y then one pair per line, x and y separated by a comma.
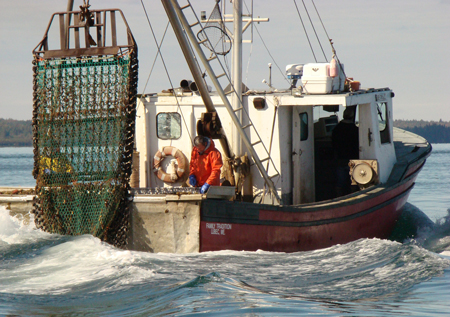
x,y
83,128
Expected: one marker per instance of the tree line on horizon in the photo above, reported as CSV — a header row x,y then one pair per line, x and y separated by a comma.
x,y
18,133
432,131
15,133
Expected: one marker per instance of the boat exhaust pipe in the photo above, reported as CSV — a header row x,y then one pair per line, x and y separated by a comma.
x,y
193,86
184,83
187,84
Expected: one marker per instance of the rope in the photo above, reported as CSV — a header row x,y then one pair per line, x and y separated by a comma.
x,y
320,19
306,33
248,63
267,49
281,72
166,70
275,109
328,37
312,25
154,60
251,45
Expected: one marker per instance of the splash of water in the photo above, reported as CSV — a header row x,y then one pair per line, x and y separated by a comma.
x,y
438,240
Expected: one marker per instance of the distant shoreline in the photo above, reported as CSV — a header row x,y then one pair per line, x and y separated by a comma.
x,y
15,133
432,131
18,133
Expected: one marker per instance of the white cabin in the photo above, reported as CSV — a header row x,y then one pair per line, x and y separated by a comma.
x,y
295,127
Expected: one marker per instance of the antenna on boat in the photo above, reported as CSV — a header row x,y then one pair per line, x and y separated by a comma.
x,y
270,74
270,79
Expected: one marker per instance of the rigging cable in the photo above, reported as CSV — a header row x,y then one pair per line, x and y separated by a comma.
x,y
306,33
165,68
251,43
275,105
267,49
320,19
328,37
312,25
225,59
248,63
156,57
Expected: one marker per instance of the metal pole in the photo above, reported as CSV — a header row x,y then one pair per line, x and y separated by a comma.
x,y
69,8
237,71
190,59
222,95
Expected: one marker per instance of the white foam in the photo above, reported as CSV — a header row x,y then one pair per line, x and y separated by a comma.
x,y
60,264
18,229
57,264
73,264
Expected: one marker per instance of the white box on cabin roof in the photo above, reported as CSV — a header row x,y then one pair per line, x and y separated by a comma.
x,y
316,78
317,70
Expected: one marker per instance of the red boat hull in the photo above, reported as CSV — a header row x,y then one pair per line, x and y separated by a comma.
x,y
371,213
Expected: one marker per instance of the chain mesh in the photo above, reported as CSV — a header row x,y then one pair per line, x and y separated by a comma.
x,y
83,137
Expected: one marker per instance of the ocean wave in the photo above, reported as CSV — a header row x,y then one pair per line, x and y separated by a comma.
x,y
438,239
35,262
38,263
19,229
367,268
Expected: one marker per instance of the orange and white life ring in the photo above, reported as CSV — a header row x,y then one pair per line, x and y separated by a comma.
x,y
181,162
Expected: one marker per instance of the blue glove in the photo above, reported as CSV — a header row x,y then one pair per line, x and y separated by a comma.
x,y
192,180
204,188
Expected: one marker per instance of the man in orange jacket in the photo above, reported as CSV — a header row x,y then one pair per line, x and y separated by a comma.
x,y
205,165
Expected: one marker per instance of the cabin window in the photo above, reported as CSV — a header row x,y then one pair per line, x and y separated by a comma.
x,y
168,125
303,126
383,122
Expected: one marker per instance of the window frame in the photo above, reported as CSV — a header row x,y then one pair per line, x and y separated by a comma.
x,y
173,115
385,136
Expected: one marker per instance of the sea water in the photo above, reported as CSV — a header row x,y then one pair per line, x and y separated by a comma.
x,y
50,275
16,166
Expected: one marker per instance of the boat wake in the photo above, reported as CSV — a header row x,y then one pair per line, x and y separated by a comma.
x,y
35,262
438,240
84,272
414,227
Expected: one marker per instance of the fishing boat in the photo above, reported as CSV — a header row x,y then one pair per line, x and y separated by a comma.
x,y
279,181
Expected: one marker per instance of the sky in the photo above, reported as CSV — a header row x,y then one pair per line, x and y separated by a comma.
x,y
400,44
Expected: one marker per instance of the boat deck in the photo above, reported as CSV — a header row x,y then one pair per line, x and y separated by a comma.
x,y
411,150
408,145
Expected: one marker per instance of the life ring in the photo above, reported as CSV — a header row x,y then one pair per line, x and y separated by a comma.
x,y
161,155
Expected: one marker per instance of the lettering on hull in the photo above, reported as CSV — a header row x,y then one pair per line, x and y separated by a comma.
x,y
218,228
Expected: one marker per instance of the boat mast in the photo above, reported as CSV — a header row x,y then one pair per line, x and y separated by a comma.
x,y
196,74
237,73
184,31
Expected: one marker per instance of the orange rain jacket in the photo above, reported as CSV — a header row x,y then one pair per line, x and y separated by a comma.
x,y
206,166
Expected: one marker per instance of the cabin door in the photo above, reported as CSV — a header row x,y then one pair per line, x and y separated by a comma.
x,y
303,155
